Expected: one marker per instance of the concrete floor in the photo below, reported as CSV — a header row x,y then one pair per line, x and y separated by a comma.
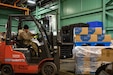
x,y
61,73
66,67
66,73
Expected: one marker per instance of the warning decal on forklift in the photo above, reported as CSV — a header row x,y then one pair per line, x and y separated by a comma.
x,y
16,56
14,60
18,60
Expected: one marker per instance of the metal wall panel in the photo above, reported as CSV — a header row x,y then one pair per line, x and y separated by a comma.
x,y
4,13
86,11
82,19
75,11
3,19
75,6
109,20
90,4
71,7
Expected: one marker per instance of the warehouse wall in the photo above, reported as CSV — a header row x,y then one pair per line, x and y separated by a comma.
x,y
70,12
3,20
75,11
4,12
50,9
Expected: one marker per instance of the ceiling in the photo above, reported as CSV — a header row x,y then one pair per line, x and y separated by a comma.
x,y
25,3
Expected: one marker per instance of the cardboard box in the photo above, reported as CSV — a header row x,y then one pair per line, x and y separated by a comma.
x,y
85,38
104,38
81,30
86,30
87,67
97,30
87,59
86,64
107,55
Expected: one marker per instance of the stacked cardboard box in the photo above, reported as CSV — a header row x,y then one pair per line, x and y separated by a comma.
x,y
87,59
89,38
97,30
87,30
85,34
104,38
81,30
107,54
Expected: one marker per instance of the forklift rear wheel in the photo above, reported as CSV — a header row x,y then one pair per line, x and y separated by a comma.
x,y
6,70
49,68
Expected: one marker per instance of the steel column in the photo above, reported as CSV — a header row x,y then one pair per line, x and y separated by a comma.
x,y
104,15
108,14
59,15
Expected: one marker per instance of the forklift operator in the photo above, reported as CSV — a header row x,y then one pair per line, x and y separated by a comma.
x,y
26,37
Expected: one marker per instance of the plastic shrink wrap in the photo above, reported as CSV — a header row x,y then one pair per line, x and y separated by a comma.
x,y
87,59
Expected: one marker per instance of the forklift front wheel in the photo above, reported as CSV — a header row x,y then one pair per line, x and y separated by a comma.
x,y
49,68
6,70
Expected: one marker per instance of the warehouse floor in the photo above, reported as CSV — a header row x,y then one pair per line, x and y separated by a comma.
x,y
61,73
66,67
66,73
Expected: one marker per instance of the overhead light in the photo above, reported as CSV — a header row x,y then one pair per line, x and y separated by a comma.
x,y
32,1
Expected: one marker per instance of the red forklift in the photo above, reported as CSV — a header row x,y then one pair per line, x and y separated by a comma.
x,y
15,57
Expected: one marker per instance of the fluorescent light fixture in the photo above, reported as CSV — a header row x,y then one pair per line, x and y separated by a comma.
x,y
31,1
